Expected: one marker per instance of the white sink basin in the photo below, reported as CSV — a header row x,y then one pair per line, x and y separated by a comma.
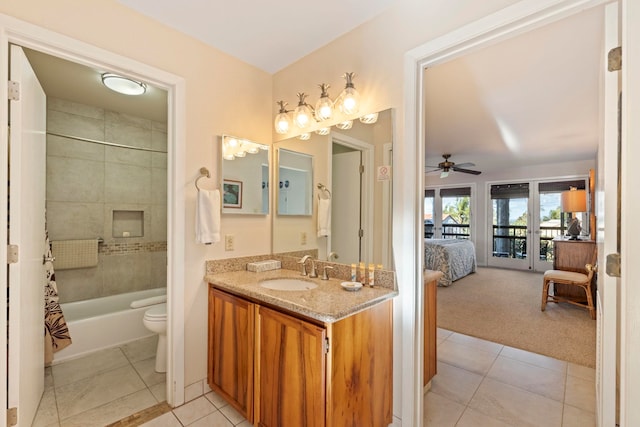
x,y
288,284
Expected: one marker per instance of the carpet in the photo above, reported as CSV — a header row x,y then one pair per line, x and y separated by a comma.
x,y
503,306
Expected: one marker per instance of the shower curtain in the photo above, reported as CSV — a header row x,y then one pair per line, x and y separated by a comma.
x,y
56,333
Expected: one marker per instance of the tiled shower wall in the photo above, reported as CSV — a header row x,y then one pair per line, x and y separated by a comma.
x,y
86,182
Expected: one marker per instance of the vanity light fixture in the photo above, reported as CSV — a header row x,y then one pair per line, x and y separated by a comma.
x,y
349,99
304,115
369,119
305,136
123,85
323,131
324,106
233,147
347,124
283,121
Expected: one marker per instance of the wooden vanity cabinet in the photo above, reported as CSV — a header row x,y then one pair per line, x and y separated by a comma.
x,y
292,371
430,359
311,373
231,350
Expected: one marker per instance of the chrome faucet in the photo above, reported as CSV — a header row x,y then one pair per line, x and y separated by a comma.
x,y
314,270
325,276
303,261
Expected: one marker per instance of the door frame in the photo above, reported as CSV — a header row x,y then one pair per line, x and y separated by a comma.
x,y
19,32
366,195
409,163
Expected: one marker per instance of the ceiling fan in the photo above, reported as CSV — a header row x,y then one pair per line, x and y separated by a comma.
x,y
447,166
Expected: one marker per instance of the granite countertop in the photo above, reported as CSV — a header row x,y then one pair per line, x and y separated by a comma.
x,y
329,302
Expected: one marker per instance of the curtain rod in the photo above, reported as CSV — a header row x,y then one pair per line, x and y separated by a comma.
x,y
110,144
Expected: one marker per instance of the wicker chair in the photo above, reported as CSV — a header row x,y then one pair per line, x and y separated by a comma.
x,y
570,278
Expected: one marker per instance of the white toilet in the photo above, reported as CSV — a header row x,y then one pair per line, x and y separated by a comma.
x,y
155,320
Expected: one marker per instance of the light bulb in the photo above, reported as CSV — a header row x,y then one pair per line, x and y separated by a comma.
x,y
323,131
241,153
302,114
324,106
347,124
283,121
349,98
228,156
369,118
305,136
350,101
232,142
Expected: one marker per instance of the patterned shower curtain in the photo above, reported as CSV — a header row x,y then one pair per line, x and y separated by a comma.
x,y
55,328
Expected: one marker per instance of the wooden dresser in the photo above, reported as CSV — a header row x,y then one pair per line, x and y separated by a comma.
x,y
572,255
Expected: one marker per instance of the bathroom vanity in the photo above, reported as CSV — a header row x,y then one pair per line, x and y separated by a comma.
x,y
317,357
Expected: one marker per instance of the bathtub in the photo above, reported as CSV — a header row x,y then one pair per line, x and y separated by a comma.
x,y
104,322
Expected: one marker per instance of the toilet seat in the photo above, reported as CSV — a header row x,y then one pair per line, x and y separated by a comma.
x,y
156,313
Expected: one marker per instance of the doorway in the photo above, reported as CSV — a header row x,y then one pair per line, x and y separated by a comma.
x,y
480,33
31,37
352,199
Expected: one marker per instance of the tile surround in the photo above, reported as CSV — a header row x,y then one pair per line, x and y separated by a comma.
x,y
86,181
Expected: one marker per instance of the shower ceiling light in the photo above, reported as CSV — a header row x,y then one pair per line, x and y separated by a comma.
x,y
123,85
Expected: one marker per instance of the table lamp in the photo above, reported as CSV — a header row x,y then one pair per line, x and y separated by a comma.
x,y
574,201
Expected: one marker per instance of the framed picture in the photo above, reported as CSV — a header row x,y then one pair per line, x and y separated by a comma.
x,y
231,193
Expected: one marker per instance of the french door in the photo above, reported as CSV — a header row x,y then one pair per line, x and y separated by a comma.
x,y
525,217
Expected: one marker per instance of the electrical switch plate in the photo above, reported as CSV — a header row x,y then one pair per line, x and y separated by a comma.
x,y
229,242
303,238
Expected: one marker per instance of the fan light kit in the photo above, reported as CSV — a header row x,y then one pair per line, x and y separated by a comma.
x,y
447,166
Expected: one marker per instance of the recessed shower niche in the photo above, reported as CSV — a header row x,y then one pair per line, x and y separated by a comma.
x,y
128,224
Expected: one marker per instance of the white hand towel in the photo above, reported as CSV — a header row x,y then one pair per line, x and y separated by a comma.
x,y
324,217
208,217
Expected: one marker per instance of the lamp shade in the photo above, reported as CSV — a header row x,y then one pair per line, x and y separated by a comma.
x,y
574,201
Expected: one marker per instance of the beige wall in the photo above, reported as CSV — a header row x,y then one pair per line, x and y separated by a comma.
x,y
223,95
375,52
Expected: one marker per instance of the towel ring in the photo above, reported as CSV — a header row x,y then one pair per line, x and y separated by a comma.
x,y
324,189
204,172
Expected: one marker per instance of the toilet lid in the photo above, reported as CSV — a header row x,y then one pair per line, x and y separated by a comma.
x,y
158,311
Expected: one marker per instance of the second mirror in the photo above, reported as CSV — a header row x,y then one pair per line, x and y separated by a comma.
x,y
294,183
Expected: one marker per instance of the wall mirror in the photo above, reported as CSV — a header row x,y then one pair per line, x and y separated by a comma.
x,y
294,183
351,165
245,176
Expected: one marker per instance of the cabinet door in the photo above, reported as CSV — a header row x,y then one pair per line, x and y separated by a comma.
x,y
231,347
430,331
291,371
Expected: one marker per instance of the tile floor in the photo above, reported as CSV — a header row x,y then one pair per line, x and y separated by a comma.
x,y
102,388
479,383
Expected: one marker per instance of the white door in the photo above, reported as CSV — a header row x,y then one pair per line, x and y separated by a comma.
x,y
607,238
27,118
346,206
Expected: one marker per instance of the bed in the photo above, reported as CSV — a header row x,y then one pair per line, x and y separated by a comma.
x,y
454,257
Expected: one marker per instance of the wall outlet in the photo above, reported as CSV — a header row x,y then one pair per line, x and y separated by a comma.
x,y
303,238
229,242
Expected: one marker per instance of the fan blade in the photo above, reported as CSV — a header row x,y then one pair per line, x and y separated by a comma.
x,y
465,165
432,170
444,174
457,169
